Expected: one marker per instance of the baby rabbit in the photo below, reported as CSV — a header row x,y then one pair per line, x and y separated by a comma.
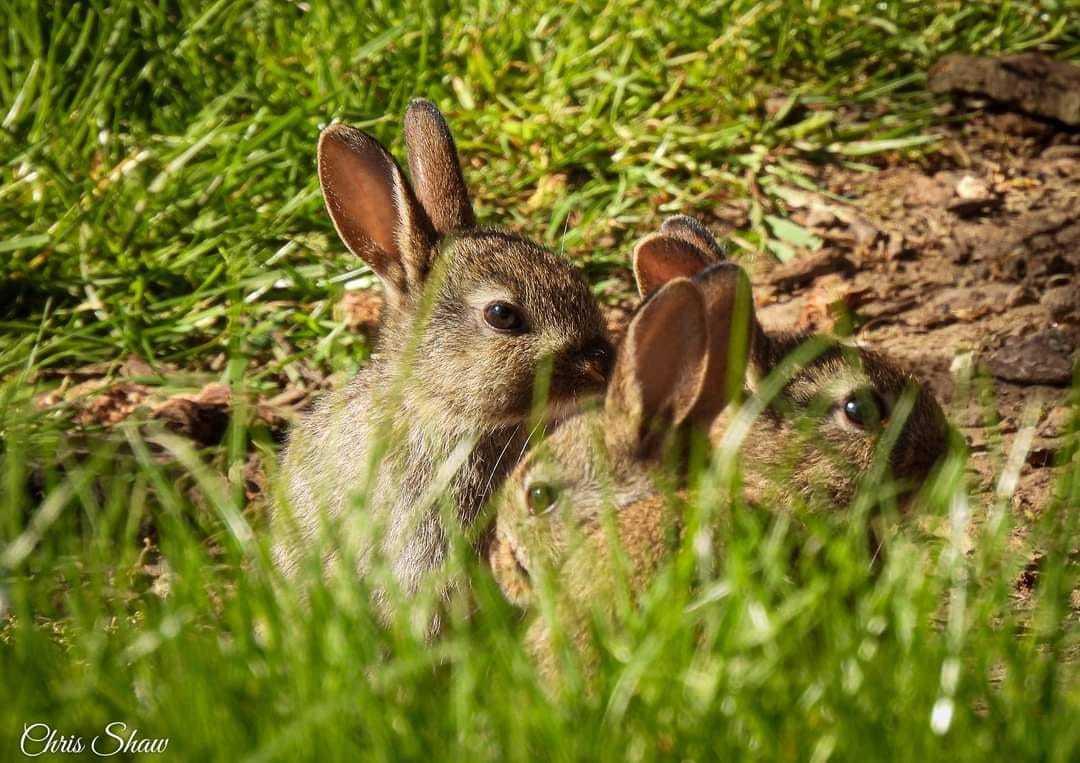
x,y
471,315
823,426
551,510
820,431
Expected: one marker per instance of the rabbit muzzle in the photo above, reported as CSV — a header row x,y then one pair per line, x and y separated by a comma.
x,y
582,372
510,568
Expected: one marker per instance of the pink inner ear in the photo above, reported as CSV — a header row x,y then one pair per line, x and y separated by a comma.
x,y
357,178
730,309
660,258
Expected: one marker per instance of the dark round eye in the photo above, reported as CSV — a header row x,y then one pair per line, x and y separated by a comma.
x,y
864,409
541,497
502,316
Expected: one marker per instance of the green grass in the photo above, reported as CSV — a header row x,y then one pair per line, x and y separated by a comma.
x,y
158,198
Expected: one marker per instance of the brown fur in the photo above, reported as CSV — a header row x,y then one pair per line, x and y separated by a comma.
x,y
442,379
805,436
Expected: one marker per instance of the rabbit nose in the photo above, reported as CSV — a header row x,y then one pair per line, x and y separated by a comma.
x,y
596,362
593,373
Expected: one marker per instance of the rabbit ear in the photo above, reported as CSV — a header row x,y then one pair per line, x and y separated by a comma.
x,y
660,257
435,170
694,233
374,209
660,370
733,326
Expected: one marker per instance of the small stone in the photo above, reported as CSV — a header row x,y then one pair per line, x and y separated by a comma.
x,y
973,198
1042,358
971,187
1062,302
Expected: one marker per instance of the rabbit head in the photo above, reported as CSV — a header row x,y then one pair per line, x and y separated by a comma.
x,y
830,411
480,310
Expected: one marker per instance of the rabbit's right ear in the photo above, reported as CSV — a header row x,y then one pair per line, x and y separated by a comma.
x,y
733,329
661,257
660,369
374,209
435,169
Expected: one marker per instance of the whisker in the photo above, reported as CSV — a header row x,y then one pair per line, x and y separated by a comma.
x,y
528,439
495,466
498,461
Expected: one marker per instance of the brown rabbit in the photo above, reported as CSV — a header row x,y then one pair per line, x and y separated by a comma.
x,y
820,430
471,315
551,511
823,425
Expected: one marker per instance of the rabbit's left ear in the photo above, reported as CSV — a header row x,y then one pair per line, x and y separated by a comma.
x,y
661,365
435,169
682,249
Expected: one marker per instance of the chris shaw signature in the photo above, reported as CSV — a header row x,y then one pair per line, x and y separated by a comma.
x,y
41,739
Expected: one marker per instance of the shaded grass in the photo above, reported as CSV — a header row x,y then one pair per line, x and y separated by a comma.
x,y
158,199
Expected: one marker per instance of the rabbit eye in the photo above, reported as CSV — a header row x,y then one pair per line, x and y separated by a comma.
x,y
541,498
504,317
864,409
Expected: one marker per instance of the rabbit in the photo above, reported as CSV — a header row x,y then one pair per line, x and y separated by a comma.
x,y
847,392
821,430
471,314
550,511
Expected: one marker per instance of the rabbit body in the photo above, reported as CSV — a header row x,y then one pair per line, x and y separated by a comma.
x,y
437,418
329,458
